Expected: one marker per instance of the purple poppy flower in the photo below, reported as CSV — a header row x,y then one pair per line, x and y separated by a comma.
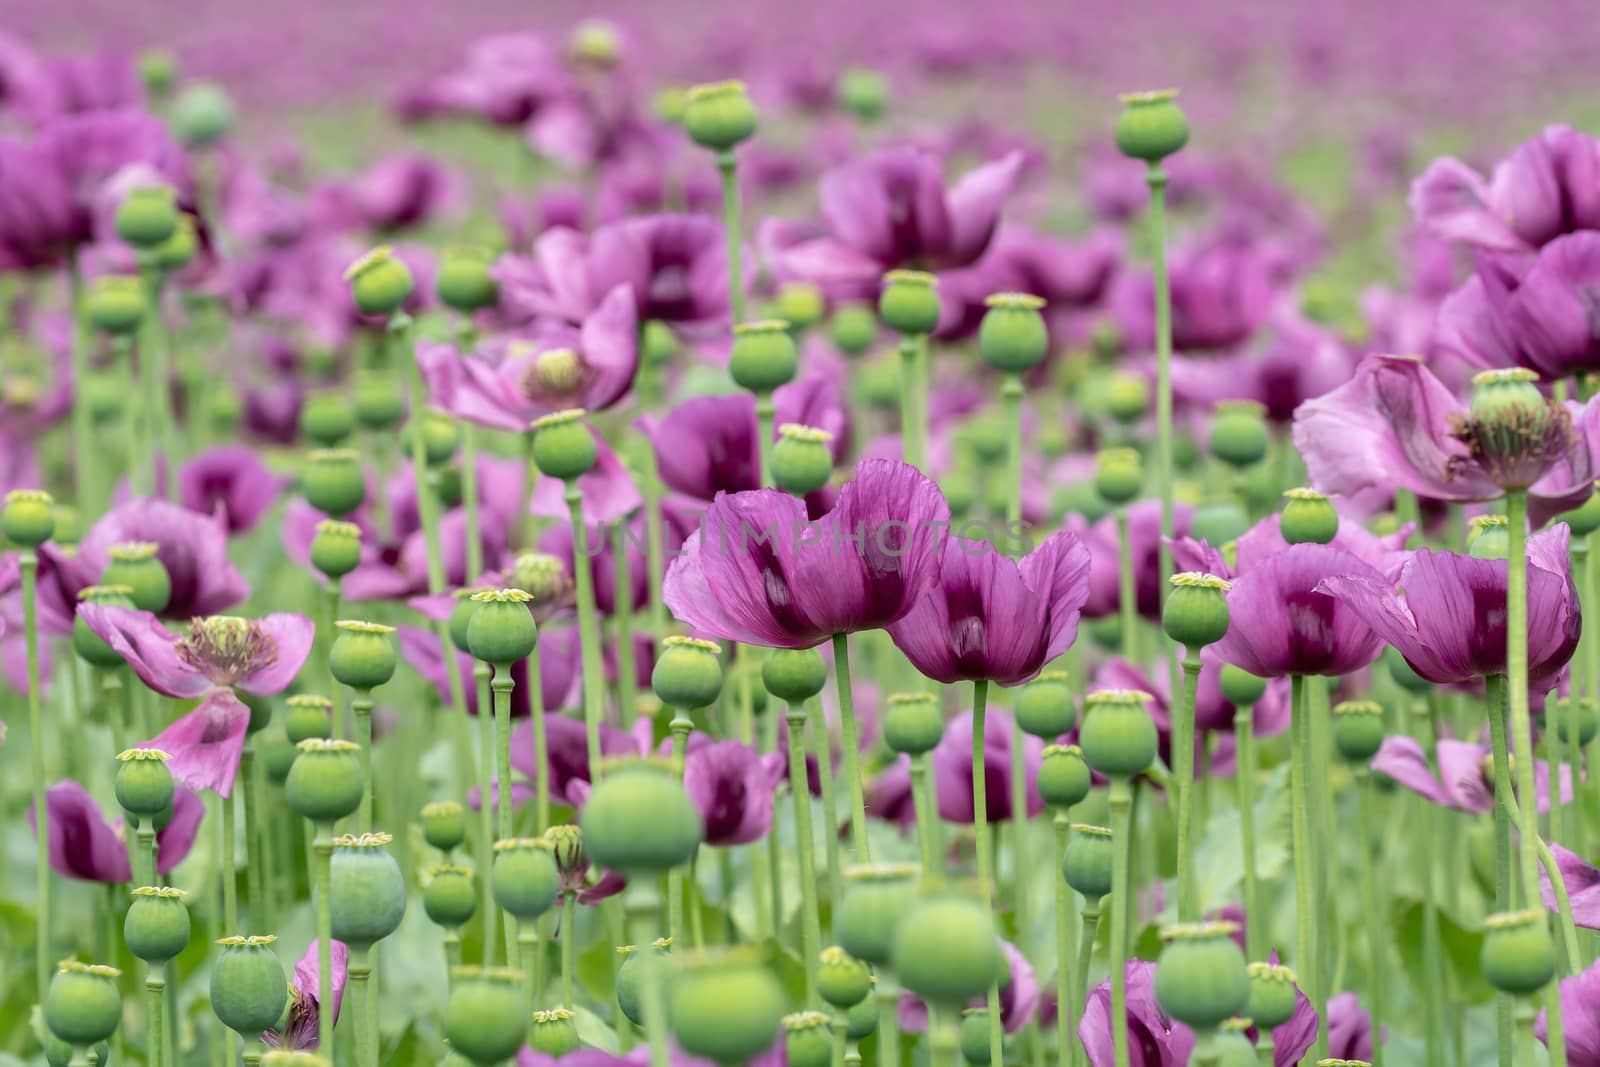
x,y
261,657
1466,774
1395,425
1548,187
952,768
1349,1028
758,572
193,548
232,479
394,193
1265,540
506,78
519,379
558,669
301,1031
1582,883
1019,997
1449,622
206,744
568,753
1222,290
1144,537
1283,625
995,618
1580,1019
732,785
1299,361
84,846
1067,275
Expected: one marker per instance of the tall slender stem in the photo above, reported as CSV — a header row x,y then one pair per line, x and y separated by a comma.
x,y
501,685
569,947
926,812
1569,930
980,790
1091,929
250,775
765,412
322,845
810,924
541,745
486,810
1156,179
887,993
1127,590
156,1052
41,810
729,167
360,974
822,748
1066,964
85,489
230,874
1121,847
1245,782
1520,728
911,442
1300,789
588,630
1183,757
852,747
1377,958
622,610
361,708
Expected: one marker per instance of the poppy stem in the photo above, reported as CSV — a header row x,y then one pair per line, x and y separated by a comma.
x,y
541,746
944,1042
1086,939
887,992
500,685
84,479
1558,886
361,708
852,749
924,811
528,948
1300,832
1377,957
360,971
1555,1026
1127,595
29,563
652,976
1183,757
655,564
1156,179
569,947
764,433
588,630
912,445
622,613
486,809
153,359
680,726
230,875
1520,727
250,774
729,168
810,923
1122,842
980,789
322,845
156,1054
1245,783
1066,964
822,748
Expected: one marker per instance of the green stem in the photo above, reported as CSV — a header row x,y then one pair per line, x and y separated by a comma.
x,y
1301,835
427,502
1156,179
541,745
1245,783
980,791
652,982
1127,595
153,359
1066,965
823,750
361,708
1520,728
486,808
1319,723
588,630
85,489
1569,929
729,166
469,498
41,810
622,611
360,973
230,875
650,489
569,948
145,863
764,417
1377,957
1504,892
911,442
1555,1026
1183,756
250,774
810,923
1121,842
925,810
887,992
1091,929
323,847
501,685
681,726
156,1054
528,949
852,748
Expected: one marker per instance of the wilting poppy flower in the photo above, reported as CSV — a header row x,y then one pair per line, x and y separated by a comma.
x,y
1580,1016
1466,774
258,656
231,479
301,1029
1282,625
758,572
732,785
83,845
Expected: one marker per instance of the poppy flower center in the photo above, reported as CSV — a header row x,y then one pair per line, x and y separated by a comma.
x,y
227,649
556,377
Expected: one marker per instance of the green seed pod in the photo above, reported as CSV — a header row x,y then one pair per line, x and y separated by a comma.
x,y
327,419
450,897
363,654
961,488
1241,688
1118,474
630,975
29,517
879,382
332,481
1402,672
861,1021
1308,518
1569,716
1196,610
763,356
526,882
326,781
1063,776
116,303
554,1032
1584,519
853,328
876,898
486,1018
1488,537
1087,864
1219,523
639,820
1202,978
1231,1045
909,302
158,72
134,564
1127,397
368,889
719,116
657,343
143,783
808,1039
974,1036
380,282
249,991
1151,127
202,115
82,1006
440,436
913,723
90,646
156,927
842,980
725,1004
801,304
180,247
461,613
802,459
1272,995
985,434
1118,736
502,631
1519,956
1044,707
277,756
1358,730
864,93
946,949
380,400
1012,338
794,675
464,282
688,673
1239,432
444,824
563,445
336,548
147,216
309,715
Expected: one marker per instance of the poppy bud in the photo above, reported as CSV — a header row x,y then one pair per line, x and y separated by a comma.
x,y
802,461
554,1032
719,116
90,646
974,1036
380,400
202,115
1308,518
380,282
1239,687
563,445
156,927
1063,776
336,548
308,716
465,283
808,1039
1087,863
1044,707
180,247
764,356
143,784
853,328
82,1006
1012,338
1513,431
332,481
1118,474
1488,537
842,980
801,304
1584,519
875,899
639,820
631,973
525,882
1272,995
946,949
502,630
326,419
1519,956
450,898
1358,730
363,655
864,93
116,303
909,302
1571,715
1196,610
147,216
326,781
1239,432
444,824
724,1004
486,1018
1118,735
913,723
368,895
688,673
1151,127
1202,978
249,991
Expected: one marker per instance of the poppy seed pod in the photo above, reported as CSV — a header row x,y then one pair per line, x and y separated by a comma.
x,y
553,1032
946,949
1151,126
1272,995
724,1004
719,115
808,1039
1127,397
1044,707
135,564
1308,518
1232,1046
368,889
563,445
1358,730
913,723
465,282
380,282
202,114
1012,338
1118,474
143,783
116,303
909,302
794,675
82,1006
444,824
541,575
29,517
853,328
380,400
248,989
147,216
1218,523
1239,432
876,898
1064,778
180,247
1202,978
158,72
486,1017
864,93
688,673
309,715
1118,736
1239,687
1519,956
763,356
90,647
502,630
363,654
326,419
336,548
1087,863
1195,613
332,481
326,781
277,756
1513,431
1403,673
439,434
631,973
525,881
842,980
801,304
639,820
974,1036
450,897
1488,537
156,927
1574,715
802,459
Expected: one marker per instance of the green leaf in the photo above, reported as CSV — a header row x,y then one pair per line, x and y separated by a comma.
x,y
1219,855
1460,949
592,1031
